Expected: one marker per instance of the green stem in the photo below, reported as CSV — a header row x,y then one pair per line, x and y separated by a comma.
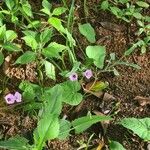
x,y
70,29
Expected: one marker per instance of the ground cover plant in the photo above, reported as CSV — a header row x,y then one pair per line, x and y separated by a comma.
x,y
75,74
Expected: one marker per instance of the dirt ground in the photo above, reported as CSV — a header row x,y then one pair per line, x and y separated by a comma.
x,y
123,88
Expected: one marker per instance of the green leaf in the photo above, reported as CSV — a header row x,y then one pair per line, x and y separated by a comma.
x,y
1,58
53,50
34,24
115,10
70,92
129,64
104,5
97,53
88,31
64,129
47,129
2,32
30,33
137,15
46,35
56,23
58,11
47,7
53,98
15,143
10,35
11,47
50,70
141,127
116,146
142,4
83,123
10,4
27,9
30,90
30,41
27,57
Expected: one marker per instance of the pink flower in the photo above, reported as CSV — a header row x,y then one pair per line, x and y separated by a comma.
x,y
18,97
73,76
10,98
88,73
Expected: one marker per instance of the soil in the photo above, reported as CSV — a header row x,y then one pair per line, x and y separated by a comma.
x,y
123,88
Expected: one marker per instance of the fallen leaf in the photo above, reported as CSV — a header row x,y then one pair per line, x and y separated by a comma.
x,y
95,88
142,100
111,26
108,97
101,144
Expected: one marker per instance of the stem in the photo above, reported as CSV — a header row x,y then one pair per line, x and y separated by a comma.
x,y
70,29
85,9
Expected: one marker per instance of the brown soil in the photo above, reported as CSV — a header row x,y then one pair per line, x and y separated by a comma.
x,y
124,88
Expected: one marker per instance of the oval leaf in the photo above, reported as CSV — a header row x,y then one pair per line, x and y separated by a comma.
x,y
138,126
27,57
97,53
70,94
81,124
116,146
88,31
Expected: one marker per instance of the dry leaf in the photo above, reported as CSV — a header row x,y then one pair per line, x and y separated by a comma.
x,y
95,88
142,100
108,97
111,26
101,145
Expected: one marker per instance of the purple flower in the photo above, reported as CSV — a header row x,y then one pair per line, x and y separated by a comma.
x,y
73,76
10,98
18,97
88,73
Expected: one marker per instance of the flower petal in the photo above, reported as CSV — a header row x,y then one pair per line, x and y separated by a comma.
x,y
18,97
10,98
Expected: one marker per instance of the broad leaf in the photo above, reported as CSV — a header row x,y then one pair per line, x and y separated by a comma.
x,y
34,24
10,35
10,4
53,98
88,31
30,41
47,129
56,23
27,9
2,32
53,50
141,127
142,4
50,70
58,11
11,47
116,146
27,57
30,90
46,35
64,129
97,53
15,143
104,5
83,123
46,7
70,92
